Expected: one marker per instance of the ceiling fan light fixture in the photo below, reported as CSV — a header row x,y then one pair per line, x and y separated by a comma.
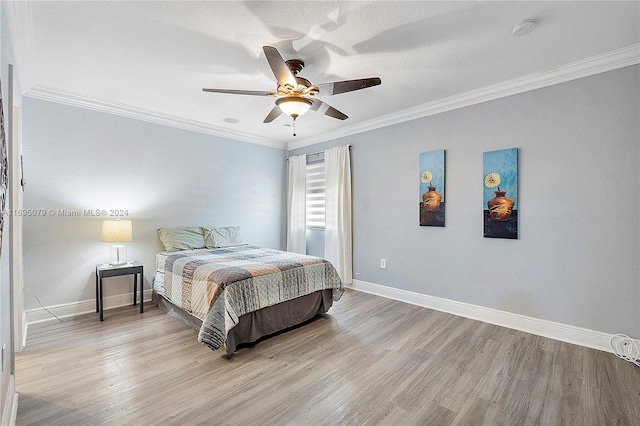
x,y
294,106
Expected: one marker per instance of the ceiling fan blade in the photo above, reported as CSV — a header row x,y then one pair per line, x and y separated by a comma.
x,y
337,87
279,67
241,92
275,113
326,109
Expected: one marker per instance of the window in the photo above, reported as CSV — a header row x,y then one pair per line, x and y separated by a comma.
x,y
315,194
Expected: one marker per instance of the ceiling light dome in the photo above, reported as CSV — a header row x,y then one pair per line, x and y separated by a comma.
x,y
294,106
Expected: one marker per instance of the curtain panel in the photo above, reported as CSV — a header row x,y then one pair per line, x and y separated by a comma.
x,y
338,245
297,204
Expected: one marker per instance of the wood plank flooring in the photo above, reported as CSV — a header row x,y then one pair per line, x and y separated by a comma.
x,y
370,361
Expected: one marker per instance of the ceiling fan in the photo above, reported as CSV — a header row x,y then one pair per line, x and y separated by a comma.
x,y
296,95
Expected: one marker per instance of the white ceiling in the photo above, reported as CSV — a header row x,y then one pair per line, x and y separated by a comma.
x,y
150,60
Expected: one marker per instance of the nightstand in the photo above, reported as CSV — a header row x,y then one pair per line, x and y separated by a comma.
x,y
104,270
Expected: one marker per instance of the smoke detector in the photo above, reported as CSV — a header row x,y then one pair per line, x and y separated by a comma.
x,y
524,27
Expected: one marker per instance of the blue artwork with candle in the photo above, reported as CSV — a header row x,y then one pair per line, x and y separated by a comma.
x,y
432,202
500,196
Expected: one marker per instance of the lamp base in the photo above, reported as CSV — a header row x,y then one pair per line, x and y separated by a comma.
x,y
118,255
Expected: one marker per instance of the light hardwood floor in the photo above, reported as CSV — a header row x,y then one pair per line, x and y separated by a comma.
x,y
370,361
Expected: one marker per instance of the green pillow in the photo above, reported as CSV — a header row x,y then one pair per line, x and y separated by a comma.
x,y
223,237
184,238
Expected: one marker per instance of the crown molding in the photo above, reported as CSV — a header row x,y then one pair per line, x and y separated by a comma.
x,y
609,61
53,94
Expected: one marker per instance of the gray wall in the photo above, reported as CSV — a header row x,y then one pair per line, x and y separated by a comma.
x,y
577,259
82,159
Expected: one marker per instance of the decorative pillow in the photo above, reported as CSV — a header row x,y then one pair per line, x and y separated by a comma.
x,y
185,238
223,237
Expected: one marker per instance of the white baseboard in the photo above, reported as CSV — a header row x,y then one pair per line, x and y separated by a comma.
x,y
10,404
67,310
24,327
553,330
14,409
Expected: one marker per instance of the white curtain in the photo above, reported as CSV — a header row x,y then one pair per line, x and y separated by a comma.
x,y
297,204
338,243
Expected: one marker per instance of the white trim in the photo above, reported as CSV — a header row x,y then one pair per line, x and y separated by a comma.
x,y
553,330
19,21
10,404
25,327
66,97
14,409
68,310
609,61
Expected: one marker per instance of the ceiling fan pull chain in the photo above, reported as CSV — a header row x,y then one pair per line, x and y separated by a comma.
x,y
294,125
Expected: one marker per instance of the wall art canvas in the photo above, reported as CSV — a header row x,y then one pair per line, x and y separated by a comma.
x,y
500,199
432,200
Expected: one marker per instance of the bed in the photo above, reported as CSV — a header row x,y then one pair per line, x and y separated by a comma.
x,y
239,293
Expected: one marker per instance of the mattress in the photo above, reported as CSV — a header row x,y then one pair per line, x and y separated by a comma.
x,y
218,286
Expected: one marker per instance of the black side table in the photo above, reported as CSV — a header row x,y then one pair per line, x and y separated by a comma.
x,y
107,271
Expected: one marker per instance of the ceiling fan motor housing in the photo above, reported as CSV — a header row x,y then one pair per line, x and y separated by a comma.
x,y
295,65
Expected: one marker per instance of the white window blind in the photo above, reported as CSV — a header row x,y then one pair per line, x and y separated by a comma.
x,y
315,194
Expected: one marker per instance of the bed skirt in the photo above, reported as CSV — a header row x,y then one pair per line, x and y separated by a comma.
x,y
263,322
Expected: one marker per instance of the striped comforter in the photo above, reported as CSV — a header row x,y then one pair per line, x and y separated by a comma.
x,y
219,285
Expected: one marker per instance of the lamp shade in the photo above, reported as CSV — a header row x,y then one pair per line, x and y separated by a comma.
x,y
294,106
116,231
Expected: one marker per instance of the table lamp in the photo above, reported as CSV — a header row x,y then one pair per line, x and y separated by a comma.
x,y
117,231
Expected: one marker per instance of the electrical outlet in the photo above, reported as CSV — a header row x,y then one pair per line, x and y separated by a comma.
x,y
383,263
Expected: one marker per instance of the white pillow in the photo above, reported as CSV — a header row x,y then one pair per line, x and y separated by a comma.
x,y
184,238
226,236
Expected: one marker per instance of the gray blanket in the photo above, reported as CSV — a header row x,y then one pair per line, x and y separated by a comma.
x,y
220,285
